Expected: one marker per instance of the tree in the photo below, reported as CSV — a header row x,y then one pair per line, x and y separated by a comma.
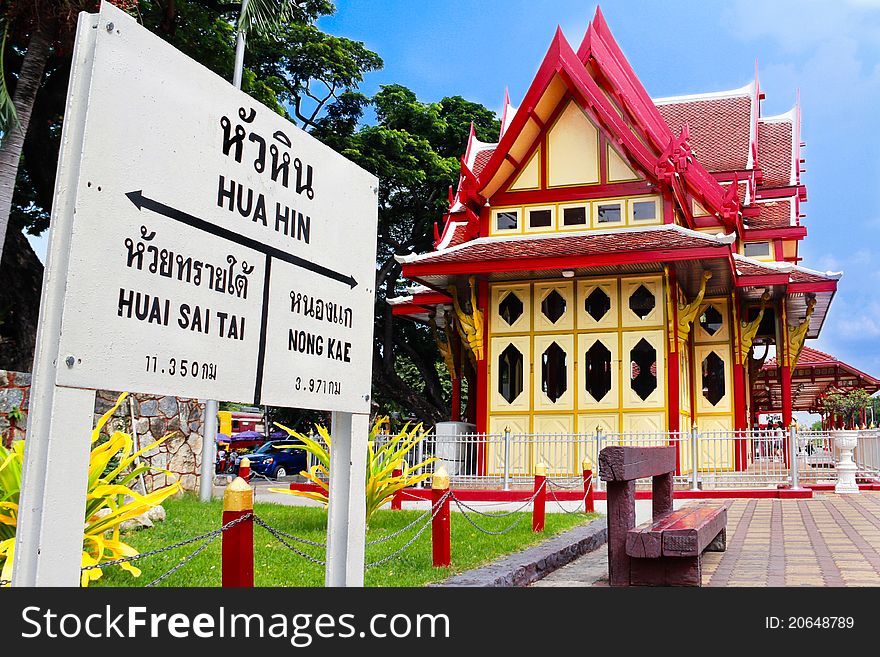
x,y
202,29
414,150
848,405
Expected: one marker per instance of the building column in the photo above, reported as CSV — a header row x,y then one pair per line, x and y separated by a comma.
x,y
673,367
740,386
482,396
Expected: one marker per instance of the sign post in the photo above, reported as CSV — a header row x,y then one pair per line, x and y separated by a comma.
x,y
201,246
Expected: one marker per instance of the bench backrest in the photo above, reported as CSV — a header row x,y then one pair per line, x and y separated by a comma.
x,y
629,463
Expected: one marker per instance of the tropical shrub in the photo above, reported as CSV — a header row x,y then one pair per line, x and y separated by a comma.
x,y
383,457
109,501
848,405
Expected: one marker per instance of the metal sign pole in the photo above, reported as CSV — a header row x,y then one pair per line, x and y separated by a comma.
x,y
346,518
49,535
209,450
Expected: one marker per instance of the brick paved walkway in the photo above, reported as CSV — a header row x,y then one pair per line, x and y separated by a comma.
x,y
830,540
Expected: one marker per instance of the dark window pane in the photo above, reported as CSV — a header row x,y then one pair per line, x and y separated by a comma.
x,y
711,320
553,306
597,304
554,372
574,216
641,302
540,218
598,374
510,308
644,210
510,373
713,378
757,249
506,220
643,369
609,214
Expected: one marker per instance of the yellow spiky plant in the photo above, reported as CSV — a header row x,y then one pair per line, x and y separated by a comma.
x,y
108,488
383,456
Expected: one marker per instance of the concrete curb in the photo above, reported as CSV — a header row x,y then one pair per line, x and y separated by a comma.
x,y
523,568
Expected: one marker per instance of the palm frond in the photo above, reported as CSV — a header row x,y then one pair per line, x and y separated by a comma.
x,y
8,115
265,17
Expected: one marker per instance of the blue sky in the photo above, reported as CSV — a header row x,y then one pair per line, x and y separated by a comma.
x,y
829,50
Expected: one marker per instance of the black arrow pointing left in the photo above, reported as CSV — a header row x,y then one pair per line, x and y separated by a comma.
x,y
140,201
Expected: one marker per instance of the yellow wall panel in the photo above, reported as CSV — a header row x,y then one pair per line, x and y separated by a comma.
x,y
566,321
529,177
573,149
618,169
586,401
523,323
497,346
585,288
542,401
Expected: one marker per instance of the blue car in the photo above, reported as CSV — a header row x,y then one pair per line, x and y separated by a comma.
x,y
275,459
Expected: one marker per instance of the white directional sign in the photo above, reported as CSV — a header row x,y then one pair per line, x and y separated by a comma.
x,y
217,250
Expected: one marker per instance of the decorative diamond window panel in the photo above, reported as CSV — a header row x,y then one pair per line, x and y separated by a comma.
x,y
597,304
713,378
510,373
643,369
711,320
553,306
510,308
597,361
642,302
554,372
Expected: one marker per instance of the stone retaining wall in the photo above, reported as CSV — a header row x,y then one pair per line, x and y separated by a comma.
x,y
154,417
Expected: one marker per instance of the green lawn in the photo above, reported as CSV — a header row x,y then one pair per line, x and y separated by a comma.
x,y
275,565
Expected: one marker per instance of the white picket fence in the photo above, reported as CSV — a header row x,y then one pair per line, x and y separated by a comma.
x,y
706,459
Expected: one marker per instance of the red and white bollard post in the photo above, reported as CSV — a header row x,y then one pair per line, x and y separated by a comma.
x,y
244,469
540,493
397,500
238,541
589,507
441,535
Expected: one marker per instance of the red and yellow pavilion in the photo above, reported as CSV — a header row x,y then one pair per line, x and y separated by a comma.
x,y
613,260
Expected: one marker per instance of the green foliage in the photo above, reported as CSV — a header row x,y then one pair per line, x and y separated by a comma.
x,y
109,500
384,454
15,414
275,565
847,405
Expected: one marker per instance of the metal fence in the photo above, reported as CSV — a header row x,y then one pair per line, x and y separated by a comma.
x,y
706,459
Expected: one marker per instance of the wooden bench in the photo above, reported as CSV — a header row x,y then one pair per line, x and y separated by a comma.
x,y
666,551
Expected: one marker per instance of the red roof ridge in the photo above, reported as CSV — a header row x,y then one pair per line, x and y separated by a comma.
x,y
720,238
745,91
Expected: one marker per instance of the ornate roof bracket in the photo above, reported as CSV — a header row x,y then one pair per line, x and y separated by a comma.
x,y
748,331
444,345
688,312
470,324
797,335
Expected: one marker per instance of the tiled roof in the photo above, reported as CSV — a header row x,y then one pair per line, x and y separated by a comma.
x,y
804,275
774,214
814,358
482,159
775,152
719,129
589,243
748,267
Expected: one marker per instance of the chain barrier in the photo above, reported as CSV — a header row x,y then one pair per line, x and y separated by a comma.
x,y
436,510
570,511
4,582
400,531
143,555
578,484
280,536
180,564
500,515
